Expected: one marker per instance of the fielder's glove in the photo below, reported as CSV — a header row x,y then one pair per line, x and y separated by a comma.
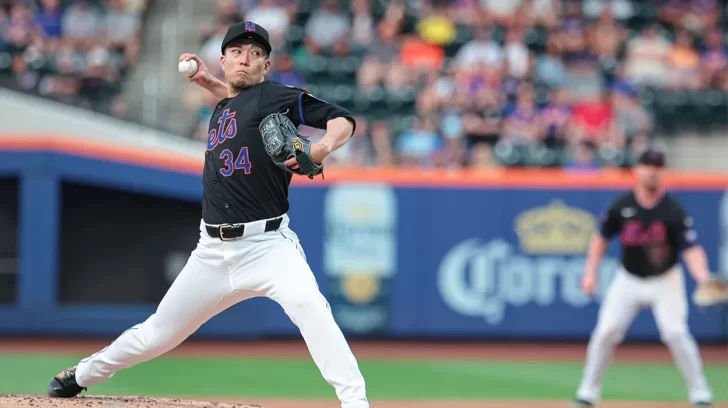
x,y
711,292
282,142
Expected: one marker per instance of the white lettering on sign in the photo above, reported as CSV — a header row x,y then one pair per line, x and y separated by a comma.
x,y
483,279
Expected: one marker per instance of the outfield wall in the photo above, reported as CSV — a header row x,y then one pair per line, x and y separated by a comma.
x,y
101,231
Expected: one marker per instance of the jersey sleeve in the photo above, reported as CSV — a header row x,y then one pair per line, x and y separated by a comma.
x,y
315,112
682,232
302,107
610,221
278,98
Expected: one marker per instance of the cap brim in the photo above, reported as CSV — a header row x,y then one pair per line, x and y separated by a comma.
x,y
250,35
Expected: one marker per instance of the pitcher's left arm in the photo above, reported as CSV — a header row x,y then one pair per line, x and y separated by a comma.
x,y
317,113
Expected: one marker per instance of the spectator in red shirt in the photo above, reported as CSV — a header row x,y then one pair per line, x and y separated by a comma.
x,y
592,119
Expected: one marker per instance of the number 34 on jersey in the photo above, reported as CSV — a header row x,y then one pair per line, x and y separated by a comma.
x,y
233,163
228,129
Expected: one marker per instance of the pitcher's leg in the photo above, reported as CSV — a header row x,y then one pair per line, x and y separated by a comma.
x,y
671,315
201,291
293,286
617,312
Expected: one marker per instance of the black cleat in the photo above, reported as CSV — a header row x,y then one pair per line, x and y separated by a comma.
x,y
703,404
580,403
64,385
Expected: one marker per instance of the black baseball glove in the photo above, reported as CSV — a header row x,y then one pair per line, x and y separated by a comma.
x,y
282,142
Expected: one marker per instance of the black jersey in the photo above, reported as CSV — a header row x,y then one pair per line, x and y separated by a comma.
x,y
651,239
240,181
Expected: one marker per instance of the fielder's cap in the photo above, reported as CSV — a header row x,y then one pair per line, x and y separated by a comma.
x,y
247,29
652,157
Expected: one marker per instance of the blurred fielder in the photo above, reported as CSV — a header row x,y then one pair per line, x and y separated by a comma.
x,y
653,230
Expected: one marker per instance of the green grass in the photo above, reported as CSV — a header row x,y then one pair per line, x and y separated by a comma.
x,y
390,379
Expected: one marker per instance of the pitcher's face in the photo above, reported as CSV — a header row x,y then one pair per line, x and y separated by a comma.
x,y
245,63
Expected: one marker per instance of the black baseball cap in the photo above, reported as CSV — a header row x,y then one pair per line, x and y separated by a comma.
x,y
652,157
247,29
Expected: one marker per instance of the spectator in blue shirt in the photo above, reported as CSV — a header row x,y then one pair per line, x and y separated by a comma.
x,y
49,18
714,58
420,144
284,71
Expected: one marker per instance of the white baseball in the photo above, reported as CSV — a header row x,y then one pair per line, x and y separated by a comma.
x,y
188,68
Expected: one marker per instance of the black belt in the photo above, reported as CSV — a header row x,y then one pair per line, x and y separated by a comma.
x,y
229,232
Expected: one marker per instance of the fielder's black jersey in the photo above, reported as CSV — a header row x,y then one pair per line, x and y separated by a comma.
x,y
240,181
651,239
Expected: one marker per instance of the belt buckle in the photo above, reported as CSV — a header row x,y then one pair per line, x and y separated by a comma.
x,y
221,228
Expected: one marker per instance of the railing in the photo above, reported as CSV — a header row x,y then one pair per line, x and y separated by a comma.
x,y
160,101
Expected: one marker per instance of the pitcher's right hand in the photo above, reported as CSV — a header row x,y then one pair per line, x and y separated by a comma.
x,y
202,76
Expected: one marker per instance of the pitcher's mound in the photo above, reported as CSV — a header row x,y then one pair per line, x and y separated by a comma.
x,y
12,401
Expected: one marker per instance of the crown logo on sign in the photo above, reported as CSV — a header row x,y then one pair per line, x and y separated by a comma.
x,y
554,229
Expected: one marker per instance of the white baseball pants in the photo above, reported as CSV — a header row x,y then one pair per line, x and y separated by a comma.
x,y
220,274
626,296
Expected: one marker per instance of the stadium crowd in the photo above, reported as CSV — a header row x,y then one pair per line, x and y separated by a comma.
x,y
478,83
75,51
556,79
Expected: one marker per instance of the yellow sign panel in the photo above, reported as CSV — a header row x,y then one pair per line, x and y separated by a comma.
x,y
361,289
555,229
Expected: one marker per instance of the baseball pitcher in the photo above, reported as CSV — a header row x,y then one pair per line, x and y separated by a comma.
x,y
246,247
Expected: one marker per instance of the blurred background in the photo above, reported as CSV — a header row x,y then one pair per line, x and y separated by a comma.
x,y
434,83
491,134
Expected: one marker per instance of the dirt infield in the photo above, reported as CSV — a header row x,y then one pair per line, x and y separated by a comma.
x,y
12,401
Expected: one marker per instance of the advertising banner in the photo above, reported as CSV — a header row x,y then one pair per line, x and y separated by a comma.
x,y
507,264
360,247
396,254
